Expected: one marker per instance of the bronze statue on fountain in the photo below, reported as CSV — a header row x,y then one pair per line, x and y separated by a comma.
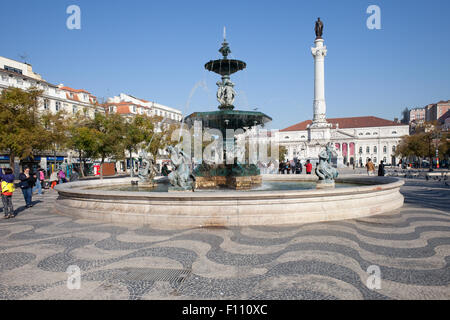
x,y
239,175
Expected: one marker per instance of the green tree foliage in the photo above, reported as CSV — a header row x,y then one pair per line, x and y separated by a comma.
x,y
110,136
56,131
424,143
21,132
282,153
84,141
137,130
412,146
161,136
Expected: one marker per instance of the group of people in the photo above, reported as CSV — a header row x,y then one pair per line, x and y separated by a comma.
x,y
370,166
29,183
294,167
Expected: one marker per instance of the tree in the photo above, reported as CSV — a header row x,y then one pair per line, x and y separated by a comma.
x,y
282,153
161,136
412,146
137,130
109,132
56,131
21,131
84,141
424,143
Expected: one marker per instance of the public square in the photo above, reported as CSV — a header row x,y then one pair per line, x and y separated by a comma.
x,y
245,151
326,260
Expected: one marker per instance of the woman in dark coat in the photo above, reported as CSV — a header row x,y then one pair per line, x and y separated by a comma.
x,y
27,182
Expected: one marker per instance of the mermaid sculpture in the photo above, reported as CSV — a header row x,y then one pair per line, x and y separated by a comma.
x,y
181,177
147,170
325,171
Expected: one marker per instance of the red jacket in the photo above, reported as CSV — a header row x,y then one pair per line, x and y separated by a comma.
x,y
308,167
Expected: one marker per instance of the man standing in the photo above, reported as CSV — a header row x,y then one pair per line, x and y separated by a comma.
x,y
308,167
370,167
381,169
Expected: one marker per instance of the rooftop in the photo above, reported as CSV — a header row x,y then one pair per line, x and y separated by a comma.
x,y
346,123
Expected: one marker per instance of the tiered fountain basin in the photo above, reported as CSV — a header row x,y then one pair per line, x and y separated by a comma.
x,y
276,202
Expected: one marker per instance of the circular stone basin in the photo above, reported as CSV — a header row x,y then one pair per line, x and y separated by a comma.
x,y
265,186
353,197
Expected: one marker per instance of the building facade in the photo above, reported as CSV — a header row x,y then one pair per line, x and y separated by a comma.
x,y
129,106
356,140
54,98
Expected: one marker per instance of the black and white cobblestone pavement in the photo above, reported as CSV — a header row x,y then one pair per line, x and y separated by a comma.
x,y
411,246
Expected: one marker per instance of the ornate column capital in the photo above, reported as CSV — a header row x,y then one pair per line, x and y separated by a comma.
x,y
319,52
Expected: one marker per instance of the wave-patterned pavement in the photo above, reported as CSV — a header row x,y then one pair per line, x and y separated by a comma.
x,y
410,246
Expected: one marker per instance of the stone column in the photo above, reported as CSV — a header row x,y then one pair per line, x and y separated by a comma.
x,y
319,52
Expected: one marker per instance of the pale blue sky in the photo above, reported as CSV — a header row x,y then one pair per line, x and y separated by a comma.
x,y
156,50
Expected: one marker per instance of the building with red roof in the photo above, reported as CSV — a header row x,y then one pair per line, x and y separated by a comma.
x,y
356,139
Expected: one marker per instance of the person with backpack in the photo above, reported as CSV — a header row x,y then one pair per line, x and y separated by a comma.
x,y
7,190
27,183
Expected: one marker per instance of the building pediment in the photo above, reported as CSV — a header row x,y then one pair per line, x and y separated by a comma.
x,y
338,134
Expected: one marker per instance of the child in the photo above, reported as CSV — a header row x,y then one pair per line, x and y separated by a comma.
x,y
54,179
7,186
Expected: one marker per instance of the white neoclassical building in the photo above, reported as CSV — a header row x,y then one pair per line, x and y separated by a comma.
x,y
356,139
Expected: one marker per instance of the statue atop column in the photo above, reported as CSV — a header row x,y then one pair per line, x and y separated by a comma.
x,y
319,29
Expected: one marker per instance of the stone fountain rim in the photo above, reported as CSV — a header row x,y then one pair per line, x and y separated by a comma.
x,y
381,184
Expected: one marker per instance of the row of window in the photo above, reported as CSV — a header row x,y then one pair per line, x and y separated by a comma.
x,y
56,91
161,113
374,160
75,108
374,133
375,149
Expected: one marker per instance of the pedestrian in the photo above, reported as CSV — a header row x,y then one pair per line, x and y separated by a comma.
x,y
381,170
42,177
27,183
62,176
37,177
370,167
7,190
288,166
298,167
54,179
308,167
281,167
292,165
75,176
